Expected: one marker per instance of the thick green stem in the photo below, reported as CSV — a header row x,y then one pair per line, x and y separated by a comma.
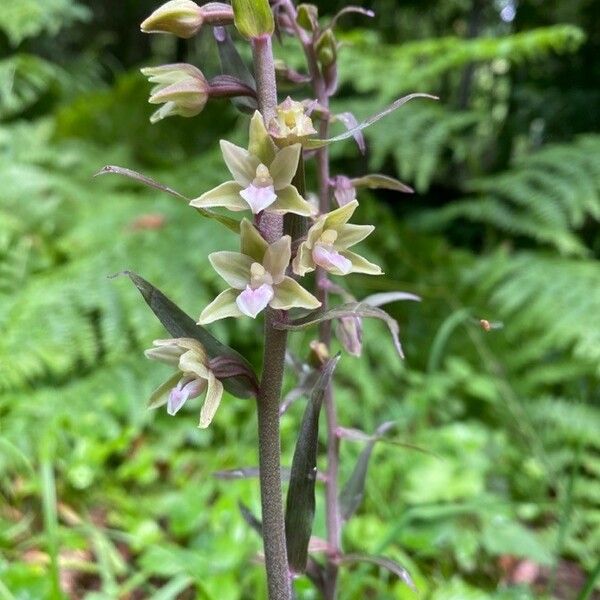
x,y
269,452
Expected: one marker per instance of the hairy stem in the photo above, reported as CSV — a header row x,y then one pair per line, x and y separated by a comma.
x,y
278,574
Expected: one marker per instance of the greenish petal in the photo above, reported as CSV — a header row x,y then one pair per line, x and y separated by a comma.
x,y
233,267
349,235
221,307
340,216
361,264
190,362
214,393
303,262
251,242
290,294
284,166
277,258
160,395
290,201
226,195
261,144
241,164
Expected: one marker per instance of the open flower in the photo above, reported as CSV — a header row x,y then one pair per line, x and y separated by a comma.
x,y
292,124
257,279
327,245
181,88
192,378
262,177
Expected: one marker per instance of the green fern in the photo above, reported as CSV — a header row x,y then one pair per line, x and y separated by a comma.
x,y
29,18
545,197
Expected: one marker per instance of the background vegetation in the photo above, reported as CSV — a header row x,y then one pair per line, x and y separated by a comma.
x,y
103,500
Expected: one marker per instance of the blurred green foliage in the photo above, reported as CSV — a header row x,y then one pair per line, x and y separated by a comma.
x,y
103,500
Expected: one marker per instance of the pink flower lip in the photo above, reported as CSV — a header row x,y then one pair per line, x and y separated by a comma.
x,y
259,198
330,259
186,388
253,301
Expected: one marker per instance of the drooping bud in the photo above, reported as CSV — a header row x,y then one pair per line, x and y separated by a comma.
x,y
327,48
343,190
291,125
319,354
181,88
349,333
308,17
184,18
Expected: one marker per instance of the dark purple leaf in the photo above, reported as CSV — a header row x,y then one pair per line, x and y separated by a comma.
x,y
179,325
300,505
233,64
352,309
352,493
387,563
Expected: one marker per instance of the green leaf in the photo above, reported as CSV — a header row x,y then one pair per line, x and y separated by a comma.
x,y
387,563
352,493
253,18
152,183
317,143
179,324
352,309
300,505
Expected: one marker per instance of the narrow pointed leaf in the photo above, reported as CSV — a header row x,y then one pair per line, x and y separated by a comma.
x,y
233,64
387,563
152,183
388,297
377,181
179,324
300,505
316,143
352,493
352,309
351,9
254,522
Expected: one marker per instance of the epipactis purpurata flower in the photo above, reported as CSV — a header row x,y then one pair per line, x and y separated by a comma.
x,y
327,244
181,88
192,378
184,18
291,125
257,279
262,177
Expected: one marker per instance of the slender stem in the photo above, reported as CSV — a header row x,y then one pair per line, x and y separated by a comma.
x,y
269,452
278,575
333,517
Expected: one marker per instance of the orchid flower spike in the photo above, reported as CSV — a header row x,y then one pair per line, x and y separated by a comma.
x,y
181,88
192,378
262,177
327,245
257,279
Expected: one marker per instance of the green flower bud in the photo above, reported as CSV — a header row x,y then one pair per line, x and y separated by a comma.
x,y
327,48
184,18
253,18
307,16
181,88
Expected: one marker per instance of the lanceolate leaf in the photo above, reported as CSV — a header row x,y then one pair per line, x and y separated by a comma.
x,y
300,506
351,495
352,309
316,143
148,181
388,297
387,563
233,64
179,324
376,182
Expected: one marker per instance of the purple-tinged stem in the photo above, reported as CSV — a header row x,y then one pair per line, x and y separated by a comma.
x,y
333,516
276,563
